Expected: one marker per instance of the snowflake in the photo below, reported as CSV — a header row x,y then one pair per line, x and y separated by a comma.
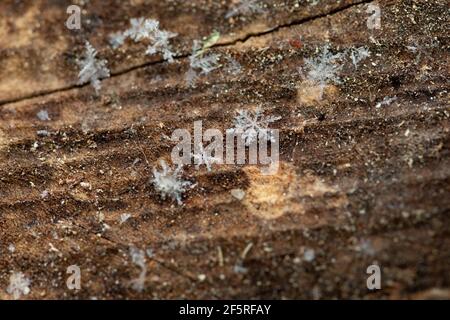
x,y
43,115
205,63
161,44
116,39
386,101
141,29
191,77
358,54
202,157
18,285
251,126
92,69
138,258
245,7
323,69
168,182
234,67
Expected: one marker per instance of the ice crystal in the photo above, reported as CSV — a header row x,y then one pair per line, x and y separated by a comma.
x,y
141,28
358,54
92,69
386,101
138,258
234,67
245,7
18,285
250,126
116,39
43,115
146,29
201,62
169,183
323,68
161,44
124,217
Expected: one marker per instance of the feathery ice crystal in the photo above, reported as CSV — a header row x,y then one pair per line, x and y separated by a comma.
x,y
323,68
358,54
199,61
252,125
245,7
233,67
386,101
141,29
169,183
92,69
18,285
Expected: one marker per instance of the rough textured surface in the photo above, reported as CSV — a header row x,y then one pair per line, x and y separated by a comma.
x,y
357,184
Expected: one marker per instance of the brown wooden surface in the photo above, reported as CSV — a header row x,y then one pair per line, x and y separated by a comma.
x,y
350,173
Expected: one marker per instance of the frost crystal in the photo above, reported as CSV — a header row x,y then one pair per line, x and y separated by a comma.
x,y
168,182
234,67
202,157
245,7
124,217
138,258
116,39
92,69
323,68
43,115
250,126
205,63
18,285
142,29
161,44
359,54
386,101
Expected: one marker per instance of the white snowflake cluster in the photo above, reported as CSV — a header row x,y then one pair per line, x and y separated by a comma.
x,y
245,7
18,285
200,62
169,183
141,29
202,157
92,69
323,69
250,126
358,54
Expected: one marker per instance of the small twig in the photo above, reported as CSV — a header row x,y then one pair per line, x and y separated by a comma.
x,y
246,251
220,256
